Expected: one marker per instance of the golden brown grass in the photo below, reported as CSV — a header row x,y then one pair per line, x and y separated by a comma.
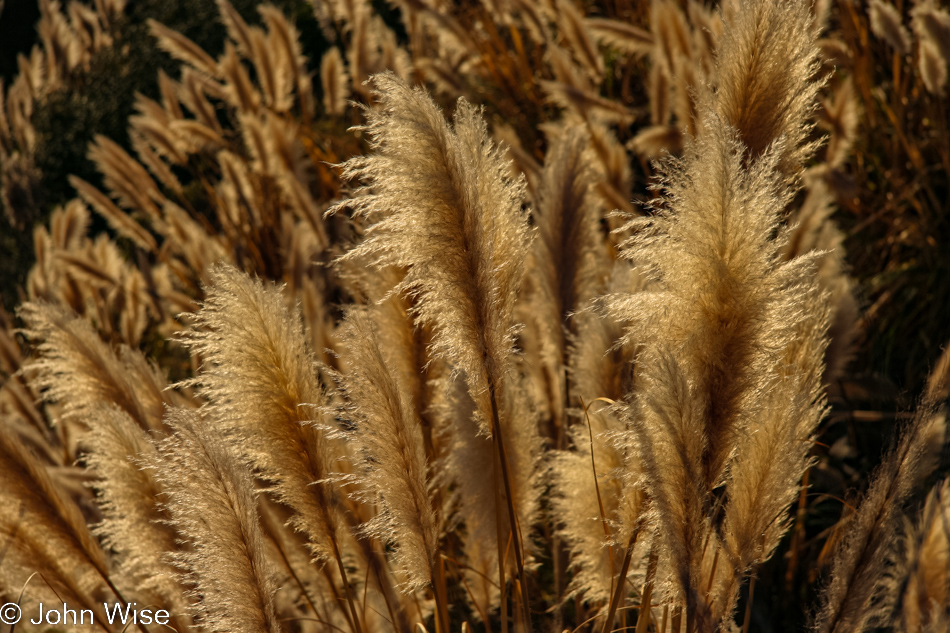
x,y
471,364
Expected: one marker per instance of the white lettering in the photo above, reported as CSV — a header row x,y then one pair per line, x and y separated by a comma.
x,y
117,611
39,616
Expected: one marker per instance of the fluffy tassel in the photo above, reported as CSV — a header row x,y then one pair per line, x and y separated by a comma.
x,y
446,210
135,525
213,506
264,394
886,24
853,598
78,369
766,59
387,436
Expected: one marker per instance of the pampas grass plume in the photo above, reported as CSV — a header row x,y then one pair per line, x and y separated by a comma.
x,y
263,390
926,590
212,504
78,369
49,533
854,598
135,525
387,439
766,59
461,237
933,67
182,48
886,24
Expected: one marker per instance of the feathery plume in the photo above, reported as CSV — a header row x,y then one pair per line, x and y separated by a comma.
x,y
765,64
886,23
116,217
266,70
125,177
212,505
932,23
853,598
447,211
238,30
49,528
79,370
585,102
169,90
568,259
569,226
620,35
652,141
574,29
263,393
616,178
153,124
728,321
707,27
933,67
154,162
772,457
193,96
183,49
589,496
334,77
134,524
659,93
834,53
68,225
813,231
716,333
840,116
84,266
387,438
359,51
743,286
460,236
238,88
925,600
670,31
287,39
576,505
196,137
467,452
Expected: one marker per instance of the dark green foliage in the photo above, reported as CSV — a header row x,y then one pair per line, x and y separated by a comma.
x,y
99,100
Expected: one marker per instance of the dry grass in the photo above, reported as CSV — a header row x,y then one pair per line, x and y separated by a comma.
x,y
474,363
